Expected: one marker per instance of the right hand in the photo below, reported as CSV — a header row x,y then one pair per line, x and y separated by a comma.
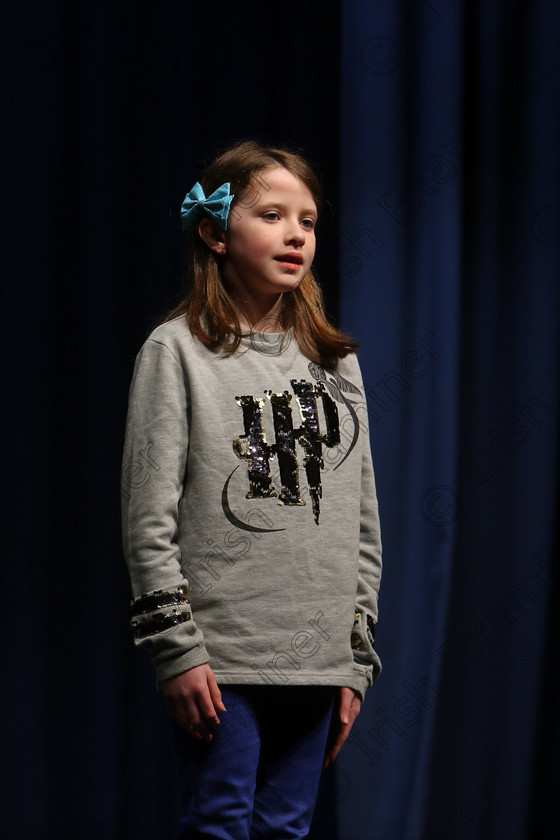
x,y
192,699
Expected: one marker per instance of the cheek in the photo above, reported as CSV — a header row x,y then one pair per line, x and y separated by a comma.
x,y
255,248
249,244
264,242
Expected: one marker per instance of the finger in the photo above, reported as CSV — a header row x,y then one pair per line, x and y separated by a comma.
x,y
341,736
338,741
356,705
332,753
337,747
353,714
179,714
330,749
345,709
176,710
192,731
329,745
332,735
206,707
195,721
215,694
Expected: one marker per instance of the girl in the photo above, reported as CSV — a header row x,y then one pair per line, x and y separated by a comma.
x,y
250,519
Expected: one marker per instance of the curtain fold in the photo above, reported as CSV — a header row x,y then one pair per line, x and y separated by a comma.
x,y
450,256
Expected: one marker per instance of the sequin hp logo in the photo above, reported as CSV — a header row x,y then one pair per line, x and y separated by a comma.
x,y
253,447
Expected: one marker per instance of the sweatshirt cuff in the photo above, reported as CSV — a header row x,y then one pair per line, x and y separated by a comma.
x,y
171,667
361,679
162,621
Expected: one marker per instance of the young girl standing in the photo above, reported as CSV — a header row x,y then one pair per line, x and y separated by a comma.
x,y
250,519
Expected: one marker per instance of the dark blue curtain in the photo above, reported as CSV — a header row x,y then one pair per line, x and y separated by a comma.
x,y
450,256
109,111
434,126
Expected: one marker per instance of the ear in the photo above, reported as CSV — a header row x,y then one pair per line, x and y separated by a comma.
x,y
212,235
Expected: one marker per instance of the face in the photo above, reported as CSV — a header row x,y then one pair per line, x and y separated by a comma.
x,y
271,244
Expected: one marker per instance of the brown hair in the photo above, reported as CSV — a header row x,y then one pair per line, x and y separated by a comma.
x,y
207,293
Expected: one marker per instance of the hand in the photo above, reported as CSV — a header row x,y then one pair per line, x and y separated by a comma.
x,y
345,712
192,699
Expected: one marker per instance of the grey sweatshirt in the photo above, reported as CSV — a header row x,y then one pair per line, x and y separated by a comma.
x,y
249,512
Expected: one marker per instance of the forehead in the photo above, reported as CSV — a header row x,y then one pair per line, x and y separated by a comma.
x,y
278,183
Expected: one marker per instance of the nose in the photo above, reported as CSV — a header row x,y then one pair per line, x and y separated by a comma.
x,y
294,232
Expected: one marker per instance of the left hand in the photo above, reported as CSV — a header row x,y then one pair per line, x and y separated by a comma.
x,y
345,711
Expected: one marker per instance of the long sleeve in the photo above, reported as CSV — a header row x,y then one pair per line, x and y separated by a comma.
x,y
367,665
153,474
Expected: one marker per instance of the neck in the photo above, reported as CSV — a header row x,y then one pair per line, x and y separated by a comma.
x,y
259,315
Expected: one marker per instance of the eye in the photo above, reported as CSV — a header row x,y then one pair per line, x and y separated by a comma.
x,y
270,213
310,223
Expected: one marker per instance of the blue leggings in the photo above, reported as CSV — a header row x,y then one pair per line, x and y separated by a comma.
x,y
257,779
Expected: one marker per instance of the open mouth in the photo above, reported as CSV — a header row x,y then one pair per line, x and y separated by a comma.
x,y
290,260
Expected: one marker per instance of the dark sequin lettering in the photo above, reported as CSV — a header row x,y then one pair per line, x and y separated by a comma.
x,y
253,447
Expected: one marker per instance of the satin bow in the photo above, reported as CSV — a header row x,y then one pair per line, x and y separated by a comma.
x,y
196,205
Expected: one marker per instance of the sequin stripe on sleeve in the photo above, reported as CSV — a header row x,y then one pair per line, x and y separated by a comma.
x,y
151,613
358,636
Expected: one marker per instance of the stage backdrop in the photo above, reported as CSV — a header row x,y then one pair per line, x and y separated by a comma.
x,y
450,256
435,128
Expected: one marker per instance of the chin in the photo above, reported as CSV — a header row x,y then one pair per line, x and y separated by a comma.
x,y
291,284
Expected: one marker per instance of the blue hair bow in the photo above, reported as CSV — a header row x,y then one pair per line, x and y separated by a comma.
x,y
196,205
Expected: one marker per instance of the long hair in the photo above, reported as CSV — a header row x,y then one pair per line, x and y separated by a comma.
x,y
207,306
